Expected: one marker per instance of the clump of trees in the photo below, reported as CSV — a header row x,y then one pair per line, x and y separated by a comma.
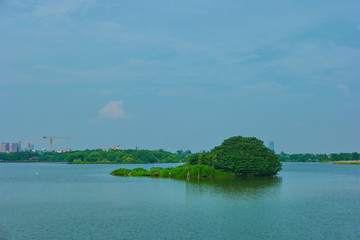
x,y
245,156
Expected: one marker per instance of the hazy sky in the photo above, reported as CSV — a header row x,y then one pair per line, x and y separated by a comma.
x,y
181,74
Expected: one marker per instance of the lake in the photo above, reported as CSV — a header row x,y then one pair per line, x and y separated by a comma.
x,y
64,201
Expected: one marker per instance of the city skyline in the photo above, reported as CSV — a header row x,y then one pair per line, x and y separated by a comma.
x,y
181,75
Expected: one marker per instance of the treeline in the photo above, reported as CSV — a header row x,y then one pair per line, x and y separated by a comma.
x,y
124,156
26,156
97,156
156,156
310,157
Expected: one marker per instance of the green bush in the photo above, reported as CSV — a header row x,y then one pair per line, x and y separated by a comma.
x,y
121,172
139,172
165,172
155,171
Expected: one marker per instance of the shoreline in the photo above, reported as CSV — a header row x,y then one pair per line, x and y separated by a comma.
x,y
346,162
33,162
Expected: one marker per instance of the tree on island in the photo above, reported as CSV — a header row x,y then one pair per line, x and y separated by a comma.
x,y
245,156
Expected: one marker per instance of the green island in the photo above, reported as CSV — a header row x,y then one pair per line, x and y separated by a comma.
x,y
235,157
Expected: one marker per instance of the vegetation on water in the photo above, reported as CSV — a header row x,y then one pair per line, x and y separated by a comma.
x,y
236,156
310,157
182,171
97,156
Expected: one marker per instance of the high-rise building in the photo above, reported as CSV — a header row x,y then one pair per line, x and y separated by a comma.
x,y
272,145
4,147
10,147
14,147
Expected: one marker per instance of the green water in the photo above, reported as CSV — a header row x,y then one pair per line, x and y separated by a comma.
x,y
63,201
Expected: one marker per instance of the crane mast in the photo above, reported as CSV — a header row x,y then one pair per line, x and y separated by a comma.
x,y
51,140
28,143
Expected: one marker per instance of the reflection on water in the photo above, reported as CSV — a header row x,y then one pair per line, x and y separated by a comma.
x,y
234,187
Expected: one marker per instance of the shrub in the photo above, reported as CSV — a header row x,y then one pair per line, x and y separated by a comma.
x,y
139,172
121,172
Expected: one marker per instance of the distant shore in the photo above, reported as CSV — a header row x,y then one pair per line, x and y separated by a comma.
x,y
32,161
347,162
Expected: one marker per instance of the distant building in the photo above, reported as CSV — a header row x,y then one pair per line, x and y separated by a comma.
x,y
10,147
66,150
4,147
272,145
14,147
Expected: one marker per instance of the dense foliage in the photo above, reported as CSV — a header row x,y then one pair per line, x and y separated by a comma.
x,y
310,157
182,171
96,156
245,156
26,156
124,156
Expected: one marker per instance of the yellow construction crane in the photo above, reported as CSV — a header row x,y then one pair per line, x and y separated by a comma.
x,y
28,142
51,140
110,146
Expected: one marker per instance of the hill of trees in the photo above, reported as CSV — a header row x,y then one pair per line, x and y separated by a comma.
x,y
242,155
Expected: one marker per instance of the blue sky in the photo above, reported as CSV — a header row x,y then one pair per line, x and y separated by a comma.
x,y
181,74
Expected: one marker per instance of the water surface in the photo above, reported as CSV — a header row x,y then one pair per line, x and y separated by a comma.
x,y
64,201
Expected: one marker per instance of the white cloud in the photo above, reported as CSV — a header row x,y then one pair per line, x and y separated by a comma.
x,y
342,86
344,89
112,110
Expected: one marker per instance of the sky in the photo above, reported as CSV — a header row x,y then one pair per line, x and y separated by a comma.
x,y
166,74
